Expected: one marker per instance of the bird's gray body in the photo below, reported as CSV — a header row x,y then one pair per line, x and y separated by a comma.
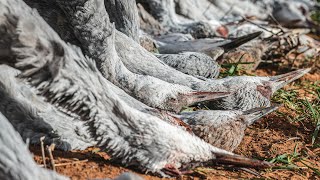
x,y
192,63
247,95
173,37
147,89
249,91
147,64
164,12
223,129
144,63
16,162
150,90
33,117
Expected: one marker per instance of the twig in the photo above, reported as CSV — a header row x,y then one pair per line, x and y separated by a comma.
x,y
258,25
251,172
293,138
69,163
42,152
50,149
277,22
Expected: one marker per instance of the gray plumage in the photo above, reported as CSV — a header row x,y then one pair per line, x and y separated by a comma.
x,y
192,63
71,81
291,14
164,12
24,109
207,46
33,117
145,63
19,100
223,129
125,15
99,39
173,37
251,92
16,162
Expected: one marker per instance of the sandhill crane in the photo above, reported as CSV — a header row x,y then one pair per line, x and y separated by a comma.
x,y
71,82
223,129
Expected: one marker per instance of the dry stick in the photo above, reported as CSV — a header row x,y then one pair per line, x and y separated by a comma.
x,y
50,149
258,25
251,172
277,22
69,163
42,152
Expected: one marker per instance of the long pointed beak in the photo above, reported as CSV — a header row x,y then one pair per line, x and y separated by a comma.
x,y
277,82
240,40
256,113
240,161
196,97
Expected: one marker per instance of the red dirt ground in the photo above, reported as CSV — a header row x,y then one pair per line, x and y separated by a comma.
x,y
266,139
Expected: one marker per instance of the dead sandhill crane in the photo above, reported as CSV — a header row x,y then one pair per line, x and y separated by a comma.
x,y
71,82
258,98
17,162
196,64
251,92
223,129
150,90
144,62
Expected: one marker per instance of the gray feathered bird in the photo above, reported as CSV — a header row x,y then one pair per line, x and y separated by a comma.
x,y
196,64
207,46
17,162
151,91
33,117
144,63
223,129
250,92
295,14
71,82
83,30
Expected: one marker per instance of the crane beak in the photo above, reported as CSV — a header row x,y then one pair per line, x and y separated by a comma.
x,y
192,98
240,40
278,82
240,161
256,113
221,159
196,97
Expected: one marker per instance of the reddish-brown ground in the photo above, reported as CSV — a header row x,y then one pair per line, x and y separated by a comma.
x,y
266,139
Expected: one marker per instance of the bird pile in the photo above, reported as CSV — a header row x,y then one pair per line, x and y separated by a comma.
x,y
74,71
